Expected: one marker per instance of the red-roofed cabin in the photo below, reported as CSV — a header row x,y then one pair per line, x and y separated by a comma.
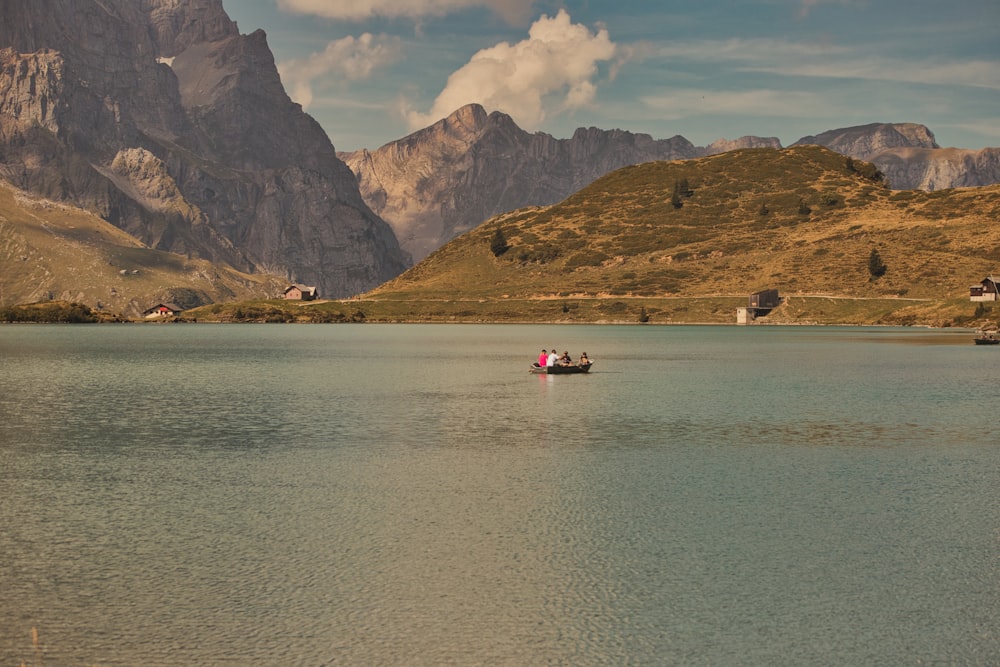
x,y
161,310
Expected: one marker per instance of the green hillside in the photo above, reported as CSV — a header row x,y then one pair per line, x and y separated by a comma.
x,y
689,240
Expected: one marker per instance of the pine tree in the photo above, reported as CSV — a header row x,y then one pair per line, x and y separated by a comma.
x,y
498,245
876,267
675,198
683,189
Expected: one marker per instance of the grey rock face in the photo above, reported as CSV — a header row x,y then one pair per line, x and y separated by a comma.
x,y
939,168
726,145
909,156
162,118
865,142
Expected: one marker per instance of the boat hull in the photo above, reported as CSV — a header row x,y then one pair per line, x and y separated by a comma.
x,y
560,370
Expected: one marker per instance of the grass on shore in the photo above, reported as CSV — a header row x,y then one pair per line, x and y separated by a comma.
x,y
796,309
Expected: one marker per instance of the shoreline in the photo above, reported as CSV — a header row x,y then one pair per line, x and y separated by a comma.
x,y
794,310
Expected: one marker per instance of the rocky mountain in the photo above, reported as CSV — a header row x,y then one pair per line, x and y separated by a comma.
x,y
939,168
910,157
444,180
726,145
159,116
866,142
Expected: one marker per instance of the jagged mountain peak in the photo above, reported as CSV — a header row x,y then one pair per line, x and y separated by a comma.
x,y
469,119
466,124
178,24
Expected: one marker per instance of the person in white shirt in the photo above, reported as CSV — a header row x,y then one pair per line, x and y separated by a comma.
x,y
553,358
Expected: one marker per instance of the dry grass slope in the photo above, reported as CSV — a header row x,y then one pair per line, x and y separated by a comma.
x,y
49,251
803,220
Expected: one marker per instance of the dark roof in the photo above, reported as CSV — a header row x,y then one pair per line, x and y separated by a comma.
x,y
169,306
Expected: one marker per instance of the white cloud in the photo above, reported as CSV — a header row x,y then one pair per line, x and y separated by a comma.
x,y
347,59
551,71
515,12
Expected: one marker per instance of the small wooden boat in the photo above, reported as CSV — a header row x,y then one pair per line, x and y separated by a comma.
x,y
560,370
986,339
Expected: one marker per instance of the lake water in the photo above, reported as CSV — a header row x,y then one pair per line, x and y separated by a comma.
x,y
411,495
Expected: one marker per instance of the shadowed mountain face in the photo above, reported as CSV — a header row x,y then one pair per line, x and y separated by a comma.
x,y
162,118
444,180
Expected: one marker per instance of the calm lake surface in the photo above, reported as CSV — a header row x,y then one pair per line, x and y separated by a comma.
x,y
411,495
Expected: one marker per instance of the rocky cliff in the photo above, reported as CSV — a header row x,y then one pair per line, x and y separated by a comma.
x,y
162,118
909,156
726,145
444,180
939,168
865,142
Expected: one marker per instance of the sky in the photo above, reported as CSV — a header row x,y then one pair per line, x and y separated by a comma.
x,y
372,71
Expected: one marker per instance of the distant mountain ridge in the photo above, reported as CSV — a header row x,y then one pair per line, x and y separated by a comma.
x,y
163,119
446,179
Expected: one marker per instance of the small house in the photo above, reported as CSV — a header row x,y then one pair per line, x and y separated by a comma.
x,y
161,310
984,291
759,304
765,299
300,293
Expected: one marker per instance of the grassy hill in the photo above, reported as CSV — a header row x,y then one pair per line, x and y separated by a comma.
x,y
803,220
49,251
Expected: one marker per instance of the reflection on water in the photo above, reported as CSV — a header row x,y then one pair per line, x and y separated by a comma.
x,y
412,495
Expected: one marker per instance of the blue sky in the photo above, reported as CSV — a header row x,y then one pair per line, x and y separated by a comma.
x,y
371,71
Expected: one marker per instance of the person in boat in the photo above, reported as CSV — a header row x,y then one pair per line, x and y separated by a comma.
x,y
584,361
552,359
543,358
565,359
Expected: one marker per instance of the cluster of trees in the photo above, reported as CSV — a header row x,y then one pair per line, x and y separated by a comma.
x,y
53,311
276,315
